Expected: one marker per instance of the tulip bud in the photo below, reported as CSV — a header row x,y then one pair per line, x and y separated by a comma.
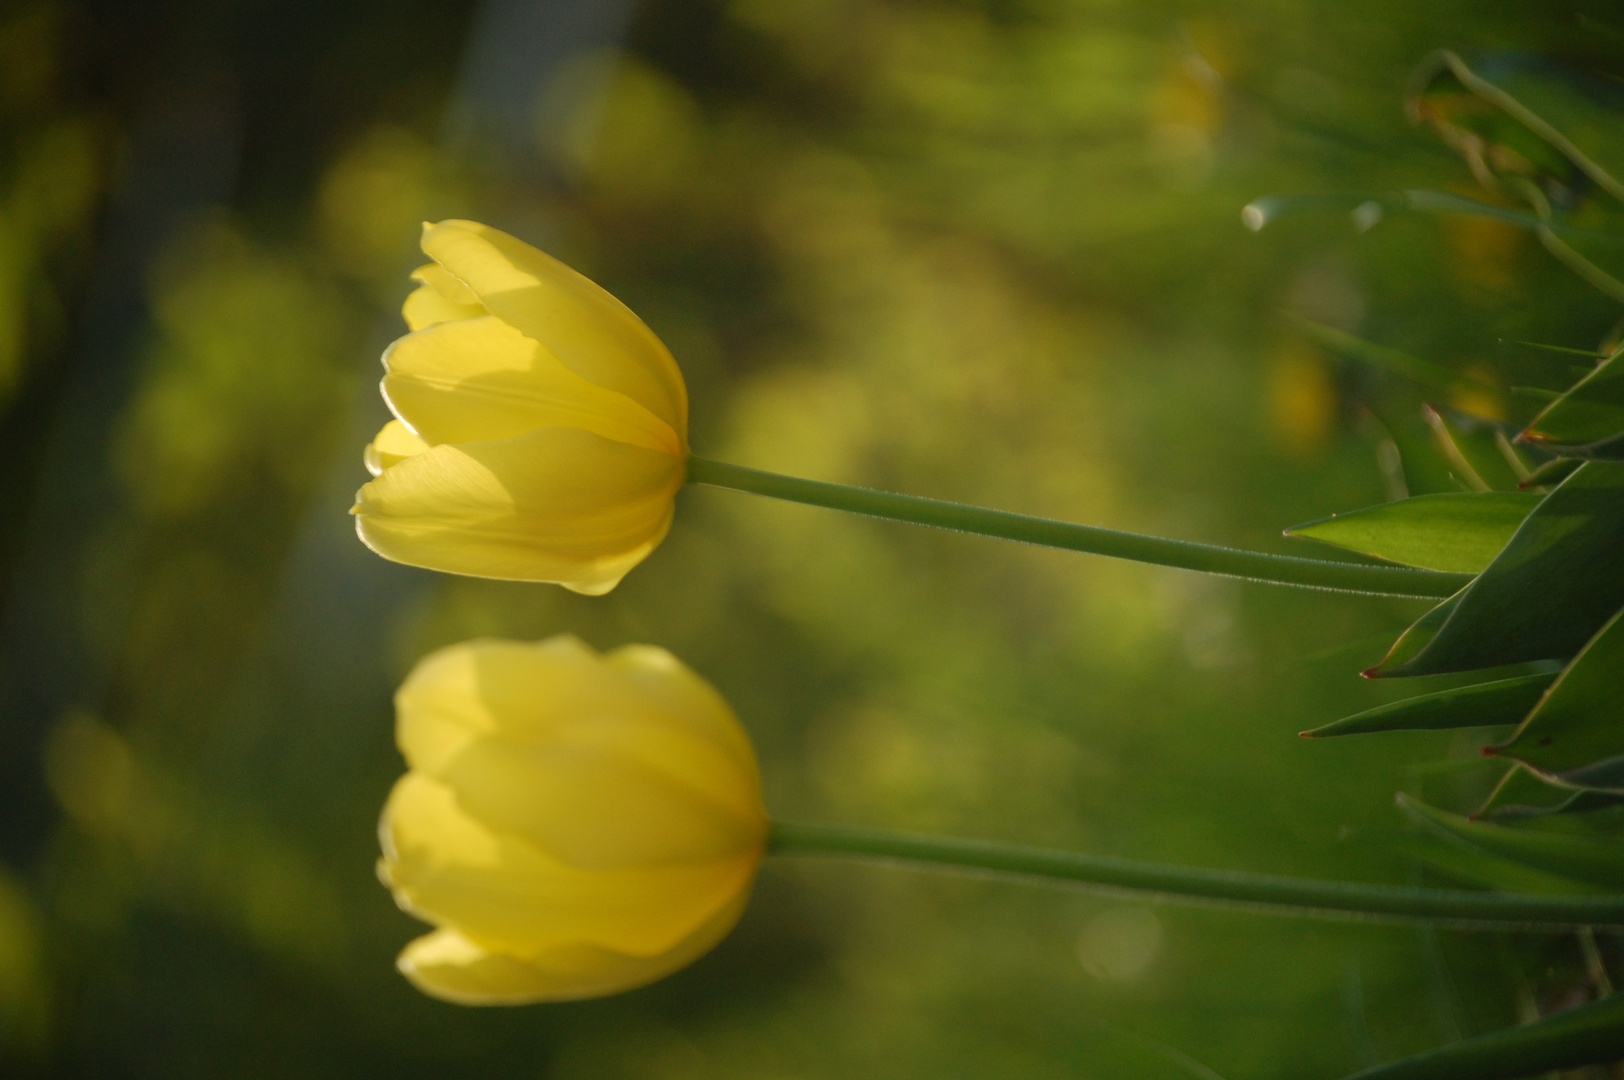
x,y
574,824
541,429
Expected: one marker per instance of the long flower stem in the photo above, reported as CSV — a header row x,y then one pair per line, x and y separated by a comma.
x,y
1333,899
1208,558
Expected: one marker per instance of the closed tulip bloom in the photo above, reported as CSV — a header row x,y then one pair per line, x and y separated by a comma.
x,y
574,824
540,429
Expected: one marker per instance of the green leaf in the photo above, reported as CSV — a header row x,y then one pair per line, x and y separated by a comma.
x,y
1445,202
1551,473
1458,532
1522,794
1588,420
1543,347
1479,454
1414,641
1561,109
1464,862
1588,859
1505,701
1584,1035
1558,580
1576,735
1349,347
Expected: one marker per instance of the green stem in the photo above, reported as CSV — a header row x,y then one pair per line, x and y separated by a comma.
x,y
1335,899
1486,90
1208,558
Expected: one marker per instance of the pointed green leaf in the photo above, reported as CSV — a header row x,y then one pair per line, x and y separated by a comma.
x,y
1415,640
1474,454
1551,473
1582,858
1504,701
1560,109
1576,735
1544,347
1346,345
1587,421
1457,859
1553,586
1584,1035
1522,794
1445,202
1458,532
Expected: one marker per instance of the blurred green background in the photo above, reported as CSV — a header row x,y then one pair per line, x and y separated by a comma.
x,y
988,250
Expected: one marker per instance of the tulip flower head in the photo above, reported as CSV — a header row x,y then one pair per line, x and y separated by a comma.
x,y
540,431
574,824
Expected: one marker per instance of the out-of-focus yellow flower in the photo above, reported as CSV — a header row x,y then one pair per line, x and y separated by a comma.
x,y
575,824
541,429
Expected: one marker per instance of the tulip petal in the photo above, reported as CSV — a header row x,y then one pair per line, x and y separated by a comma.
x,y
449,966
662,678
447,867
454,291
440,298
392,445
524,690
556,744
480,379
610,794
556,504
425,307
595,335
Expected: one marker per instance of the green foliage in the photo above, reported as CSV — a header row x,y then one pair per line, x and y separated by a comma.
x,y
1550,584
1462,533
1586,421
1503,701
1522,794
1557,581
1578,1036
1587,859
1575,736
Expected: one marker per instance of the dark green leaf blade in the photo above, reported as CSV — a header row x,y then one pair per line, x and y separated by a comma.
x,y
1585,1035
1415,640
1558,580
1381,357
1477,450
1457,532
1504,701
1588,420
1589,859
1522,794
1565,349
1551,473
1471,865
1576,735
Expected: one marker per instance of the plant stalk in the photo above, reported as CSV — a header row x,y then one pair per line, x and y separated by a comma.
x,y
1296,896
1159,551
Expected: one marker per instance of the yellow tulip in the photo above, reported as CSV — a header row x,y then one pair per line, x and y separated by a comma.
x,y
574,824
541,429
